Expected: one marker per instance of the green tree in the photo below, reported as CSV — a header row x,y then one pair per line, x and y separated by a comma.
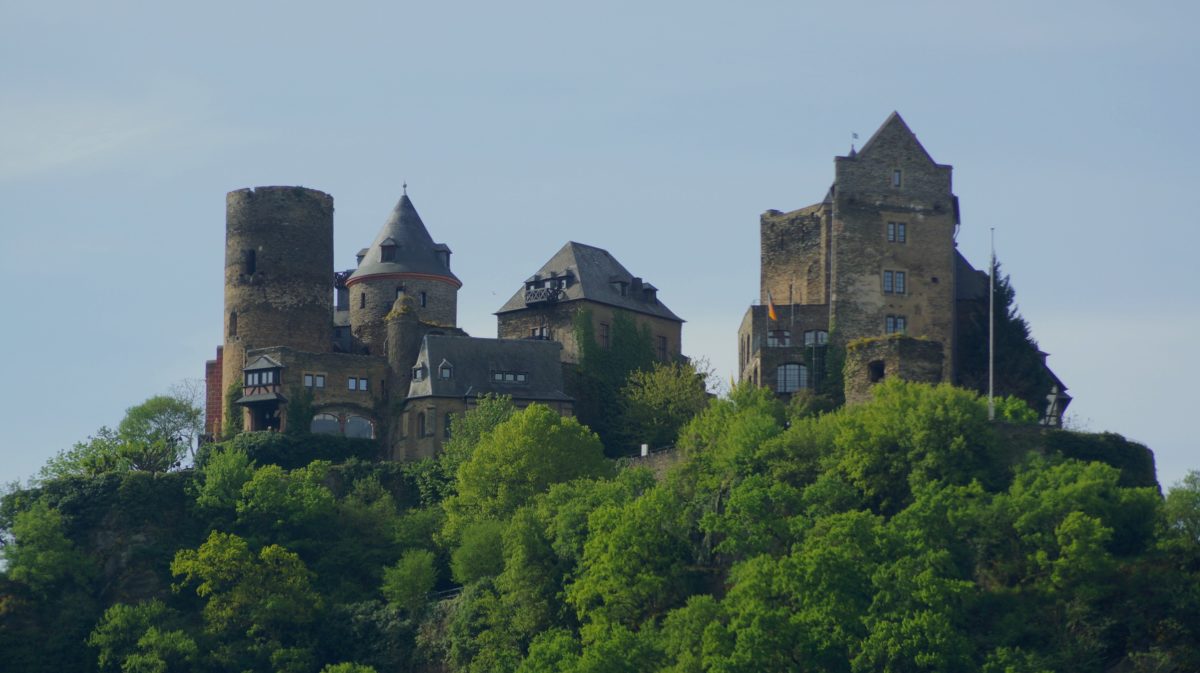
x,y
408,583
1183,510
520,458
635,561
154,436
41,556
167,420
98,454
258,607
295,503
479,551
135,638
221,479
656,403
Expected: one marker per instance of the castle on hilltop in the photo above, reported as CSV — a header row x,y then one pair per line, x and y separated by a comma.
x,y
376,351
872,270
865,285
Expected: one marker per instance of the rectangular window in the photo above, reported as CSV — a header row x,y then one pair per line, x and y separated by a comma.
x,y
352,382
604,343
308,380
895,324
897,232
319,379
662,348
893,282
897,177
779,337
424,299
497,376
509,377
521,377
362,384
362,299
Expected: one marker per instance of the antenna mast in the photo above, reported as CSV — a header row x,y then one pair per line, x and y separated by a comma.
x,y
992,330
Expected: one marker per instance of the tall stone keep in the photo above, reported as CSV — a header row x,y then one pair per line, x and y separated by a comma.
x,y
278,273
892,244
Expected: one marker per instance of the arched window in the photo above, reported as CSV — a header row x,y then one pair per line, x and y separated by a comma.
x,y
790,377
421,424
325,424
357,426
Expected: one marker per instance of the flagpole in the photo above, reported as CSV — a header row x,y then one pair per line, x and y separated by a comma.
x,y
992,331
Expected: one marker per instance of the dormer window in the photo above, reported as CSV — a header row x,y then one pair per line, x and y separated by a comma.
x,y
419,373
387,251
445,370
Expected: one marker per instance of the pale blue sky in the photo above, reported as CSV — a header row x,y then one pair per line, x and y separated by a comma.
x,y
659,131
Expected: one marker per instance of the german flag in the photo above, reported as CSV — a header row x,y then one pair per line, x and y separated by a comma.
x,y
771,307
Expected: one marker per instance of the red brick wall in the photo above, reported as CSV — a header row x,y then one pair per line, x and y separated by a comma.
x,y
212,394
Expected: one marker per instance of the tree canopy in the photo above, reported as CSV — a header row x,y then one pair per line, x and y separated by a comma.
x,y
904,534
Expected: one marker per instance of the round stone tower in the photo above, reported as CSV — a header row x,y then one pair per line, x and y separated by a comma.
x,y
278,273
402,263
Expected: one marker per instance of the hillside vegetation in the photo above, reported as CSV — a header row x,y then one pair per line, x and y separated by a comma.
x,y
906,534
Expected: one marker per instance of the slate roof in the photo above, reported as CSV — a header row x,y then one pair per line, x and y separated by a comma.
x,y
262,362
594,271
474,360
415,250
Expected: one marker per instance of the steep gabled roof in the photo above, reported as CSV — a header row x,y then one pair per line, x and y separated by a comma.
x,y
475,361
415,250
597,276
262,362
894,126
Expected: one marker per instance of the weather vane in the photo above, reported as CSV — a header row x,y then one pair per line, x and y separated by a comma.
x,y
404,185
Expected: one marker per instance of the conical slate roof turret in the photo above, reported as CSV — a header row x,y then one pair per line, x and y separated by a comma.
x,y
404,246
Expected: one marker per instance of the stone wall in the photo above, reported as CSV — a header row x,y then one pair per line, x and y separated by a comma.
x,y
559,320
337,368
758,361
372,298
871,361
795,255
